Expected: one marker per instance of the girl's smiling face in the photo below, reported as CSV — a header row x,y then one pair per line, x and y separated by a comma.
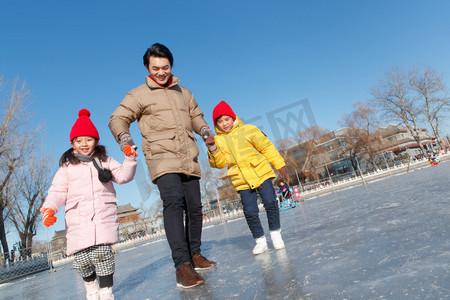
x,y
84,144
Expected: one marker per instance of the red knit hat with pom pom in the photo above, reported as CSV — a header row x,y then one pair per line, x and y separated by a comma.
x,y
83,126
222,109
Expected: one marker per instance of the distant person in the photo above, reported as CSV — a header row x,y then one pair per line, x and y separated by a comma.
x,y
434,161
167,115
284,190
248,154
84,184
13,255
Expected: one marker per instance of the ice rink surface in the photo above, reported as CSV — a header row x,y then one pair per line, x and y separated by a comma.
x,y
388,239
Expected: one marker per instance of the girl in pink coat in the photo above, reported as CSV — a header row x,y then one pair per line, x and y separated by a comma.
x,y
84,184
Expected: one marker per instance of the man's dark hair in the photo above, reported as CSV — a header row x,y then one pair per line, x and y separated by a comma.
x,y
158,50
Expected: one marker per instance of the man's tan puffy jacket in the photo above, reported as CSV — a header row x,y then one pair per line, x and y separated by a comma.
x,y
166,119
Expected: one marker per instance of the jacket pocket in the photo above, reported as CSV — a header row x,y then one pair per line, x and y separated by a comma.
x,y
192,145
161,143
109,210
234,174
191,135
72,213
261,167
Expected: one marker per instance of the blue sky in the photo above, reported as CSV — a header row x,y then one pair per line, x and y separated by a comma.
x,y
259,56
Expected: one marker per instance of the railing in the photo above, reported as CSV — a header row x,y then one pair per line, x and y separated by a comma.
x,y
16,265
338,181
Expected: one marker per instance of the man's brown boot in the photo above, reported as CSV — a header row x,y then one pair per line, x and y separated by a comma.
x,y
202,263
187,277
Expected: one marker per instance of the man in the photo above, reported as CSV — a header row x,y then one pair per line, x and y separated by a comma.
x,y
167,113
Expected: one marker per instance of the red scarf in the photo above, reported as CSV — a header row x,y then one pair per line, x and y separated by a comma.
x,y
169,82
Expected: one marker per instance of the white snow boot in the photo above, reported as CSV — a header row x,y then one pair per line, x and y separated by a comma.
x,y
106,293
261,245
276,239
92,290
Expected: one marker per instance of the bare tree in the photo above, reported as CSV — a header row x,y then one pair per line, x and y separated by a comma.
x,y
294,164
39,246
17,139
393,97
353,146
154,209
361,135
432,96
29,185
209,182
309,139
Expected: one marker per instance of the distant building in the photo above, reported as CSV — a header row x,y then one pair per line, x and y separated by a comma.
x,y
331,155
229,198
398,139
227,192
59,244
127,213
131,225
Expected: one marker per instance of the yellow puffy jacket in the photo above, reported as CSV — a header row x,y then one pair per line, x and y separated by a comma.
x,y
248,153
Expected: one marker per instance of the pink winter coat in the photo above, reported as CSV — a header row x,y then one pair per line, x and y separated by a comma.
x,y
90,205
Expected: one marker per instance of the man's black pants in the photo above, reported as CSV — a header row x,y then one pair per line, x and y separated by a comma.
x,y
181,194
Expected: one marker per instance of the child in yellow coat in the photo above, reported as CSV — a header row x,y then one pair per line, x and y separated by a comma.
x,y
249,155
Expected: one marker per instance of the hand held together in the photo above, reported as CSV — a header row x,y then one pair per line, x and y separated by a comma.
x,y
211,144
127,145
130,150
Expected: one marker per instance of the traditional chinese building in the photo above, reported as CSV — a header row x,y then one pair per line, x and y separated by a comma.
x,y
59,244
127,213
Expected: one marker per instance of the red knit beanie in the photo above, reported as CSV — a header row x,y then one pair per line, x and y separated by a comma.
x,y
83,126
222,109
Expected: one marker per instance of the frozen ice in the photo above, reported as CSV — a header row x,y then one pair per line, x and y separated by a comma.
x,y
387,239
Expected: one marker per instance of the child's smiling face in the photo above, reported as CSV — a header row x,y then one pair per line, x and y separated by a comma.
x,y
225,123
84,144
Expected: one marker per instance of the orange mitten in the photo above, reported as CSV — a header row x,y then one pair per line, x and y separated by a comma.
x,y
48,217
130,150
